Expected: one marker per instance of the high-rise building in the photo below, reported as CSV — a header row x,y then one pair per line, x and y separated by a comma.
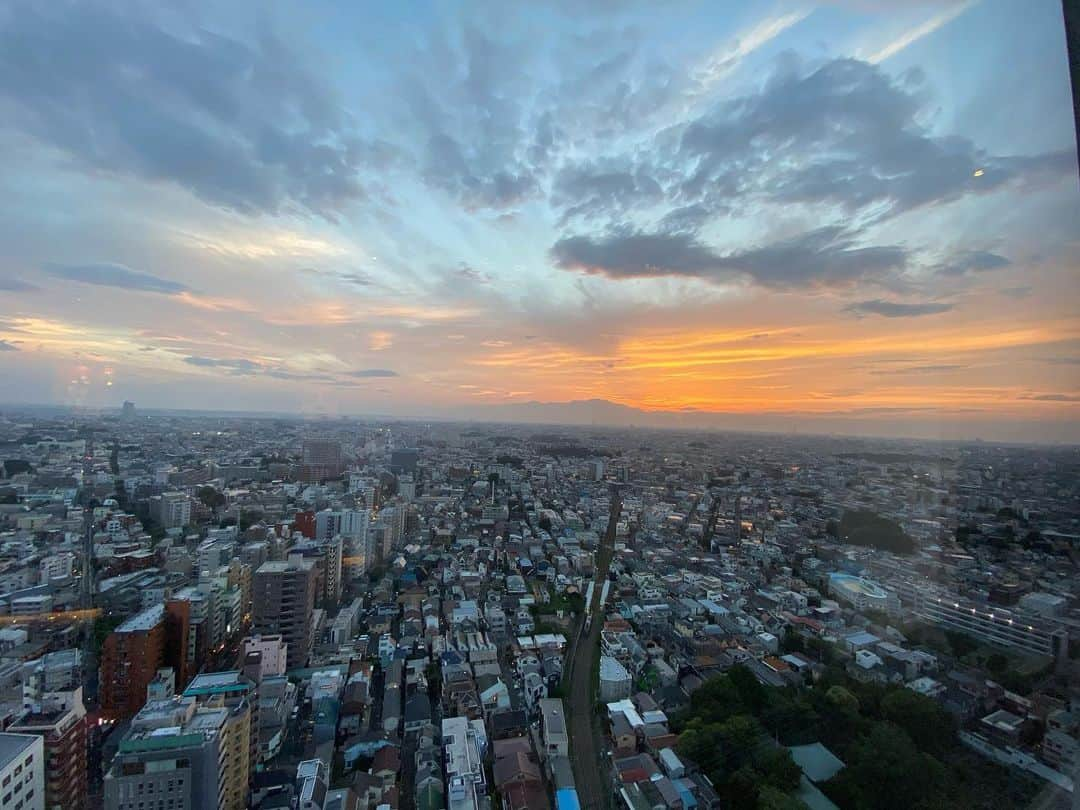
x,y
321,458
404,460
53,708
174,756
326,554
172,510
22,772
134,651
283,596
127,413
240,747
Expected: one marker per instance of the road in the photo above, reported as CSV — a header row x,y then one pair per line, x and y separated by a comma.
x,y
593,790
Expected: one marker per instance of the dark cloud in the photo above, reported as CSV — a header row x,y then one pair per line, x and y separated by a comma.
x,y
895,309
974,261
107,274
464,94
17,285
844,134
373,372
240,367
448,169
243,125
235,366
824,257
603,189
8,347
629,255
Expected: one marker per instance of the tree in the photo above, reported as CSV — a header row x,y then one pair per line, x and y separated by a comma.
x,y
997,663
928,725
961,644
770,798
861,527
211,497
842,699
880,770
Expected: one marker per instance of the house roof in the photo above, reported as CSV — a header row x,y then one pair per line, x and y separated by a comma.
x,y
816,761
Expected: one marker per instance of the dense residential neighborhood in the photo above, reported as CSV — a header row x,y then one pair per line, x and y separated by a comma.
x,y
209,610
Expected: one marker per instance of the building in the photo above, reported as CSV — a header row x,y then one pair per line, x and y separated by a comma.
x,y
327,556
464,747
615,680
994,625
272,651
173,757
134,652
172,510
862,594
240,745
53,709
404,460
22,772
283,595
553,728
321,459
311,784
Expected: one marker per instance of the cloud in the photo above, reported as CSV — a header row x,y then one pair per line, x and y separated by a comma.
x,y
8,347
238,366
925,28
827,256
844,138
973,261
943,368
895,309
373,372
464,95
107,274
241,124
591,190
1051,397
17,285
1023,291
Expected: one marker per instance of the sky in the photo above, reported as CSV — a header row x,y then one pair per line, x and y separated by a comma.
x,y
858,216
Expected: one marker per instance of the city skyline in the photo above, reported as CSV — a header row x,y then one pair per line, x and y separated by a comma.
x,y
837,217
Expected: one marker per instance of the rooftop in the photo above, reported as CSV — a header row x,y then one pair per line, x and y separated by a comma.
x,y
143,621
12,746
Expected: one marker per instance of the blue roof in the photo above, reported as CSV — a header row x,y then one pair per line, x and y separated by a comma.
x,y
567,799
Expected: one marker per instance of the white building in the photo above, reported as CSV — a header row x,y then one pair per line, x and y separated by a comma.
x,y
273,650
56,566
22,772
553,728
464,745
615,680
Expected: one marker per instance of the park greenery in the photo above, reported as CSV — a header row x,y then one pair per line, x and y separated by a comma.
x,y
862,527
900,748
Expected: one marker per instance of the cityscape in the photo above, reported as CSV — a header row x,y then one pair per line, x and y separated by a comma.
x,y
548,405
226,611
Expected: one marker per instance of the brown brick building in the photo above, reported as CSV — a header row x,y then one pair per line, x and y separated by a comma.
x,y
132,654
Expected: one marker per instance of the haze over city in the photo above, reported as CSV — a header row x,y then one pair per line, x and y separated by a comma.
x,y
853,217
